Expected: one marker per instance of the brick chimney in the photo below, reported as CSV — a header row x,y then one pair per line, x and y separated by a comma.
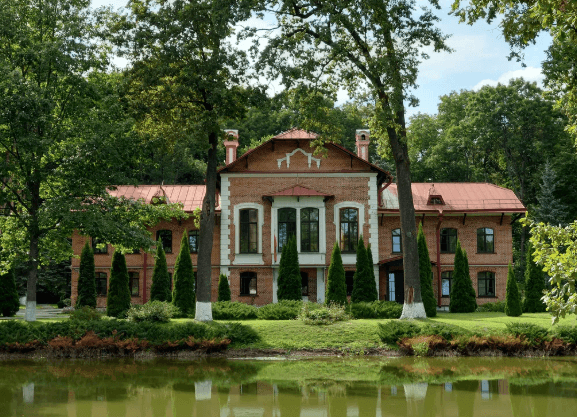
x,y
230,144
362,136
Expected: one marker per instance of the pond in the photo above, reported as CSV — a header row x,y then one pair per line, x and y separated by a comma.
x,y
332,387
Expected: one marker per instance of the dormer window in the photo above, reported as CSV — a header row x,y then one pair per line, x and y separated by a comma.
x,y
435,200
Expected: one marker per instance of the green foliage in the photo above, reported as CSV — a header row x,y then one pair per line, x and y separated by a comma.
x,y
156,311
233,310
118,299
183,295
323,315
566,333
364,286
283,310
446,331
495,307
395,330
376,310
9,301
289,275
426,275
534,285
223,288
336,291
462,289
85,313
531,332
160,290
513,305
86,280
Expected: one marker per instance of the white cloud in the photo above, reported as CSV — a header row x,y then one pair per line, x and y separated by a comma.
x,y
530,74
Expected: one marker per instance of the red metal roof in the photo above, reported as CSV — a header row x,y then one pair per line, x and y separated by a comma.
x,y
296,133
462,197
300,191
190,196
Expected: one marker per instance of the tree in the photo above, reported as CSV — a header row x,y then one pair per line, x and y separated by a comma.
x,y
461,286
550,208
9,301
472,294
118,299
86,279
534,285
372,268
184,79
426,273
289,275
367,46
513,298
336,283
364,286
63,137
223,288
183,294
160,290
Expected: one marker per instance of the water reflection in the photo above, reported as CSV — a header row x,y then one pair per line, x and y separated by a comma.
x,y
311,388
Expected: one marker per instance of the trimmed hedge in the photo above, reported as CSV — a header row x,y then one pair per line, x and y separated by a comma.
x,y
283,310
496,307
158,311
376,310
393,331
233,310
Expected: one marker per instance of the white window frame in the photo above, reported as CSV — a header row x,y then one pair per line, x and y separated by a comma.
x,y
348,258
248,258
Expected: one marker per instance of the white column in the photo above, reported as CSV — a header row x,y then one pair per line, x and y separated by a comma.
x,y
320,285
274,284
202,390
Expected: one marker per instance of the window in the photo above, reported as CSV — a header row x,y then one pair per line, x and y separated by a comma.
x,y
310,230
247,283
287,225
305,283
134,279
397,242
101,284
486,284
349,229
448,240
485,240
391,292
349,277
99,246
446,278
193,241
248,231
165,237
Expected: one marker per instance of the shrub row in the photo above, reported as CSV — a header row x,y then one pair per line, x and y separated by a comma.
x,y
496,307
376,310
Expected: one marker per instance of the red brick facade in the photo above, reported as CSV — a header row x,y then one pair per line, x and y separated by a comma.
x,y
284,173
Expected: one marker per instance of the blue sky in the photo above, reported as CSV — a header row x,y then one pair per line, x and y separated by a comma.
x,y
479,58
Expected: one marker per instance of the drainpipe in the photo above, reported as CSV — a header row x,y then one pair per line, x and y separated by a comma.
x,y
438,233
144,277
380,193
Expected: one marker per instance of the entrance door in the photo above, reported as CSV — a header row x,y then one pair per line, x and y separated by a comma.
x,y
396,287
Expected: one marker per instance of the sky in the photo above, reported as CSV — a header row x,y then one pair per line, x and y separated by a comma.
x,y
479,58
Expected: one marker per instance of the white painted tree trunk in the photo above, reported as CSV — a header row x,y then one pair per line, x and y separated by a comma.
x,y
413,311
203,311
30,313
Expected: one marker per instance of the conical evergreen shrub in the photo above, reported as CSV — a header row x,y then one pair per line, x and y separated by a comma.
x,y
426,275
86,279
118,300
364,287
183,293
513,298
336,284
289,273
9,302
160,290
472,293
462,289
223,288
371,268
534,285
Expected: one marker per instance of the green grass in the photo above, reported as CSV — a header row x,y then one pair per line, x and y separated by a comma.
x,y
497,321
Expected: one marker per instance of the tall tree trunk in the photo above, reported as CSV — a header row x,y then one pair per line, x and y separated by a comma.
x,y
207,217
30,314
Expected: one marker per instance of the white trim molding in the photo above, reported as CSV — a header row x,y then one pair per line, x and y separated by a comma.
x,y
248,258
374,226
309,156
224,223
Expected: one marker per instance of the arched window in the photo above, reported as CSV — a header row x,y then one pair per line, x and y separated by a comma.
x,y
287,226
248,231
448,240
165,237
309,230
446,278
248,283
485,240
349,224
486,284
397,241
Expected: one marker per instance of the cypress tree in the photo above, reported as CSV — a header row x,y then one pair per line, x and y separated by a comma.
x,y
160,290
513,298
363,288
183,294
336,285
472,293
289,275
461,295
9,302
371,268
223,288
426,275
118,300
86,279
534,285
